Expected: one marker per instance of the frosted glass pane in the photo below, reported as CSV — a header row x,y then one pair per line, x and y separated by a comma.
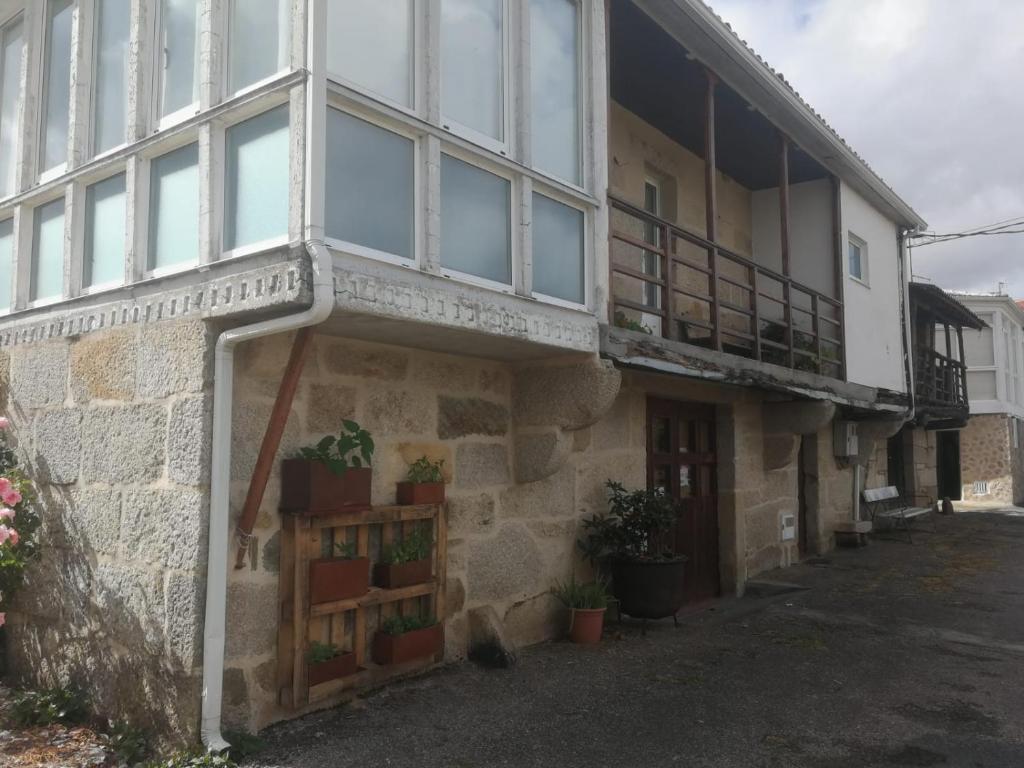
x,y
358,50
179,32
174,208
472,65
10,77
105,231
557,249
6,262
56,101
554,48
111,106
257,182
48,251
475,221
258,42
370,186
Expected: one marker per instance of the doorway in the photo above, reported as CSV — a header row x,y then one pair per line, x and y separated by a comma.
x,y
896,473
681,459
947,462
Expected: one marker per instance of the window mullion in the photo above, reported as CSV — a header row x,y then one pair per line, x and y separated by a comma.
x,y
74,238
518,81
141,73
523,246
136,214
431,203
212,70
429,84
30,80
211,191
22,256
79,110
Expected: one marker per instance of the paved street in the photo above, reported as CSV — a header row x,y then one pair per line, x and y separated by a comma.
x,y
895,655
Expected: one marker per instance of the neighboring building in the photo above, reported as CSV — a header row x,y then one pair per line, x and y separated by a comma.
x,y
682,277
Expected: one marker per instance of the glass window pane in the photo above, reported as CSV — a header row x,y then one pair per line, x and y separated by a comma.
x,y
179,22
56,100
174,208
554,51
359,53
557,249
10,81
105,231
111,99
257,179
48,251
370,188
6,262
472,65
475,221
258,41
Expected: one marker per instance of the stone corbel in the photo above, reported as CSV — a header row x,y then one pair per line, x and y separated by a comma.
x,y
870,432
786,422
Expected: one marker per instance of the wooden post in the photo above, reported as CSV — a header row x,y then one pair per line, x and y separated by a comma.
x,y
784,242
272,440
837,254
711,202
963,362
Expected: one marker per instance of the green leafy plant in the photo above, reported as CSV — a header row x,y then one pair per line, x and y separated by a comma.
x,y
243,744
129,744
399,625
321,652
574,594
345,550
194,759
629,324
19,522
633,527
423,470
351,449
414,546
49,706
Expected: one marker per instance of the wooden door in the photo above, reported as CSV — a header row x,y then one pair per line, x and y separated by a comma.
x,y
681,459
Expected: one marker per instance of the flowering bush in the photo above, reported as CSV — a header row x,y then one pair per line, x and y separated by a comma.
x,y
18,522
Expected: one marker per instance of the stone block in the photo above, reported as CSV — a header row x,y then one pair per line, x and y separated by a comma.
x,y
56,588
328,406
478,465
173,358
345,358
164,527
249,423
265,359
450,374
103,365
91,521
399,412
594,471
540,454
188,440
468,515
39,375
249,633
129,606
489,644
455,597
505,566
567,396
57,443
496,381
124,444
780,451
271,558
613,431
553,496
462,416
410,452
185,599
536,619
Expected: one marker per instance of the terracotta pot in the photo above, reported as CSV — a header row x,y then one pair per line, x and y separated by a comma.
x,y
398,649
587,624
340,666
395,575
333,579
413,494
309,487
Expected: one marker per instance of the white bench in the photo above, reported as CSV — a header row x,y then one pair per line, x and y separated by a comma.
x,y
888,504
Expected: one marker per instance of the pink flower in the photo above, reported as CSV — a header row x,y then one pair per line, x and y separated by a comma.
x,y
4,422
5,484
15,538
5,534
11,497
6,513
3,619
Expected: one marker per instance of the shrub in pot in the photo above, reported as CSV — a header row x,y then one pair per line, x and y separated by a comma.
x,y
407,562
630,543
327,661
424,483
587,603
340,577
405,638
333,475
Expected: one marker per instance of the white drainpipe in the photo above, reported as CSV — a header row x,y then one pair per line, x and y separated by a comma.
x,y
220,480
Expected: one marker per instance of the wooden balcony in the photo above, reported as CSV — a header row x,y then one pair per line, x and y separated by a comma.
x,y
940,380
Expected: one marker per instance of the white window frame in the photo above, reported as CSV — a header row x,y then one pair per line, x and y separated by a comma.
x,y
94,84
865,270
43,83
21,17
284,57
157,63
588,236
12,305
78,239
143,203
30,261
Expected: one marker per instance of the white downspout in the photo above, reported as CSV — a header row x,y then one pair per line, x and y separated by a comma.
x,y
220,480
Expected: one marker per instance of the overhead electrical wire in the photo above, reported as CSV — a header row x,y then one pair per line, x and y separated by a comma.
x,y
1005,227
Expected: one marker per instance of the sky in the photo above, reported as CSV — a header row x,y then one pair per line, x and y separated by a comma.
x,y
931,94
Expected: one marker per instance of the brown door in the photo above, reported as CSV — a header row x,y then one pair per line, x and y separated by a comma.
x,y
681,459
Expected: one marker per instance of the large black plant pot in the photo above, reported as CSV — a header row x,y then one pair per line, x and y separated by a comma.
x,y
649,589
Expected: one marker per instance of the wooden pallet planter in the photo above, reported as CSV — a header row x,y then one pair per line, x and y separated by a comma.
x,y
350,623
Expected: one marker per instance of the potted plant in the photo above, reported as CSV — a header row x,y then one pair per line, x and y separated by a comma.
x,y
630,543
424,484
587,604
407,562
333,475
404,638
326,661
340,577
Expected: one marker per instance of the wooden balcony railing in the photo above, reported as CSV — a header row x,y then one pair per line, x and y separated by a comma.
x,y
941,380
675,284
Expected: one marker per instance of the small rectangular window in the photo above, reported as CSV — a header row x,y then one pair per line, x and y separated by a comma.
x,y
10,87
475,221
174,208
473,65
359,53
258,40
857,259
110,99
104,232
53,151
179,50
48,252
6,263
370,185
554,71
557,250
257,180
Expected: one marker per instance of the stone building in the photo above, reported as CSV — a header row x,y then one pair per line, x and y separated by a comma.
x,y
605,243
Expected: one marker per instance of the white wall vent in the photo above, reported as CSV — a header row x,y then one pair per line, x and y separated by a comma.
x,y
788,527
980,488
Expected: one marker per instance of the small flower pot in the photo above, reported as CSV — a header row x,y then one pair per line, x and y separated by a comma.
x,y
309,487
586,626
413,494
398,649
340,666
395,575
333,579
